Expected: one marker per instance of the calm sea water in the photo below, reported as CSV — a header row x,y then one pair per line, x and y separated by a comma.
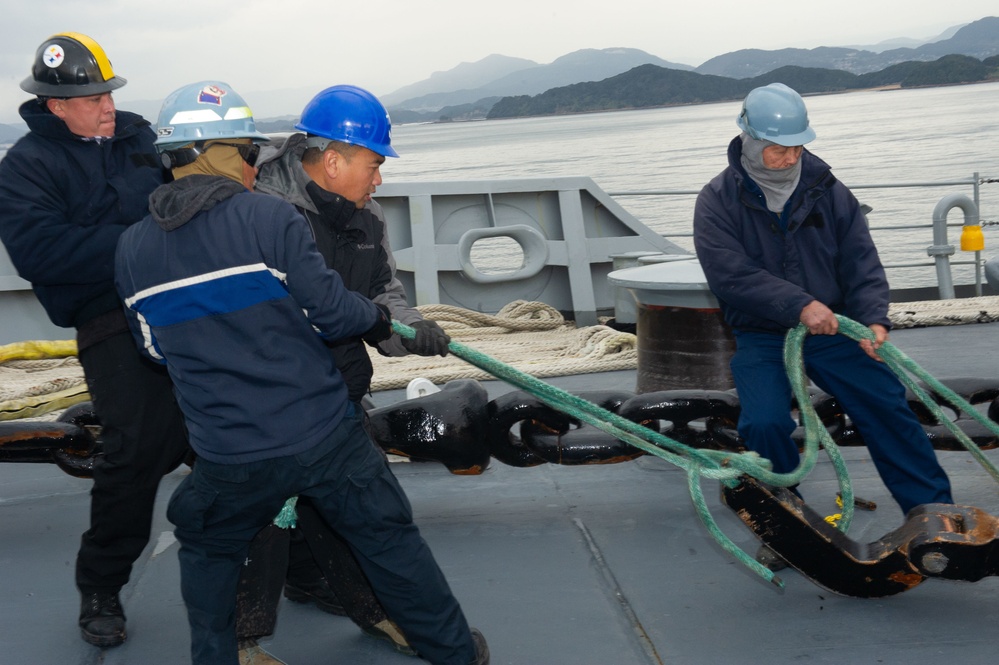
x,y
886,137
873,137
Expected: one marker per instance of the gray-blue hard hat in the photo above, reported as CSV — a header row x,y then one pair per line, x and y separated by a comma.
x,y
204,111
776,113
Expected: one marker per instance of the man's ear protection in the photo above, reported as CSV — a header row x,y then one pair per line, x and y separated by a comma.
x,y
173,159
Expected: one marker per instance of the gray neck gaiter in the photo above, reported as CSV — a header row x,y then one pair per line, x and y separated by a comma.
x,y
777,184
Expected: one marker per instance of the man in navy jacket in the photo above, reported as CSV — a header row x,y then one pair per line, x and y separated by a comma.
x,y
68,189
782,241
226,287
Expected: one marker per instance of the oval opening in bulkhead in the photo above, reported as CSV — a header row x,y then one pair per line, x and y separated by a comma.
x,y
502,254
496,256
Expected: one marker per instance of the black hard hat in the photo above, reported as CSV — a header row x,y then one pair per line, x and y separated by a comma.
x,y
71,65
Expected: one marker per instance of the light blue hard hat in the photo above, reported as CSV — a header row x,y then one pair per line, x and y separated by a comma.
x,y
776,113
204,111
348,114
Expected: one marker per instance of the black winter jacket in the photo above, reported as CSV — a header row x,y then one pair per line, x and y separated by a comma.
x,y
64,201
352,241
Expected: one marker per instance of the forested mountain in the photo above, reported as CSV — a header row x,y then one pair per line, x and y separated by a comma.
x,y
650,86
478,80
979,39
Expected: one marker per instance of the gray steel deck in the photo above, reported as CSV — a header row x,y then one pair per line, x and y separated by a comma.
x,y
543,561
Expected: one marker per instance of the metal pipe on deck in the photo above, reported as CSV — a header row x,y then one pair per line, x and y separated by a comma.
x,y
940,250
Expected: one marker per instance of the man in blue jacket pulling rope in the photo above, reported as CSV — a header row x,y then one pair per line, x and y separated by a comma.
x,y
226,287
783,242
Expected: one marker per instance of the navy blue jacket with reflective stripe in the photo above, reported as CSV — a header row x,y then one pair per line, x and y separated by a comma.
x,y
237,302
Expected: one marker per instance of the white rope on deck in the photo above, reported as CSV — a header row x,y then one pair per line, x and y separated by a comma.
x,y
983,309
33,388
531,336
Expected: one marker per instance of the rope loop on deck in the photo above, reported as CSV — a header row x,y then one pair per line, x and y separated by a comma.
x,y
519,315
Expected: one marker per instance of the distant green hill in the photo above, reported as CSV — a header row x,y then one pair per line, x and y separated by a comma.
x,y
650,86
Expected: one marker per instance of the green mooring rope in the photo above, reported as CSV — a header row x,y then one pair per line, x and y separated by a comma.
x,y
727,467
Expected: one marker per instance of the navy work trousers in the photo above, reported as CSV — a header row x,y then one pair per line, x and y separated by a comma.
x,y
870,394
312,552
144,437
219,508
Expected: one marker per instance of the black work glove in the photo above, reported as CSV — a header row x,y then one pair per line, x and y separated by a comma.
x,y
382,329
430,340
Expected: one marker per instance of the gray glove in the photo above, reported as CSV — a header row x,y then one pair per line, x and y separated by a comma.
x,y
430,340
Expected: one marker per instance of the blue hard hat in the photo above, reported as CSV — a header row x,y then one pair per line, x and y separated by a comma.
x,y
776,113
204,111
348,114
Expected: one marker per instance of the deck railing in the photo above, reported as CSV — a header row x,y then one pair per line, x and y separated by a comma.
x,y
937,253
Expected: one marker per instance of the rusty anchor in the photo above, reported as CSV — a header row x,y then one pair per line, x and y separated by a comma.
x,y
936,540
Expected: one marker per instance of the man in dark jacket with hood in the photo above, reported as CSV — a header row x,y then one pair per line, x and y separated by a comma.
x,y
782,241
68,190
226,287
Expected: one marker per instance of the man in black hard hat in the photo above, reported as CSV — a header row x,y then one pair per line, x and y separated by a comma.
x,y
68,189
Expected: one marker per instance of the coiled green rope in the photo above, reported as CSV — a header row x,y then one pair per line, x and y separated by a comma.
x,y
727,466
909,373
723,466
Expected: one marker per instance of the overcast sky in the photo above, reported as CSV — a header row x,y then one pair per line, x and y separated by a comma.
x,y
258,45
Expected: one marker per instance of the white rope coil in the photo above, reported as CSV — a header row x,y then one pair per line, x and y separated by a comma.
x,y
983,309
531,336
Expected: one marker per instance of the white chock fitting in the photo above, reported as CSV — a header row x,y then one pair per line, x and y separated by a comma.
x,y
420,387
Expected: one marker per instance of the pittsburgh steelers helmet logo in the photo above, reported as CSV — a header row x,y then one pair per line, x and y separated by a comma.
x,y
53,56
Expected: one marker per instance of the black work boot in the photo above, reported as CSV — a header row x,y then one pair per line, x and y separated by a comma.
x,y
102,621
481,648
